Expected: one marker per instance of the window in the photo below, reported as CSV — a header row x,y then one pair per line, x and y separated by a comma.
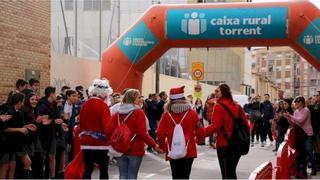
x,y
278,62
288,74
68,5
279,55
278,75
288,55
313,82
270,69
287,85
106,5
264,63
288,61
305,83
94,5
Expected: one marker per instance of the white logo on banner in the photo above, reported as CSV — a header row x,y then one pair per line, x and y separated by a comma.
x,y
194,23
127,41
317,39
308,39
137,42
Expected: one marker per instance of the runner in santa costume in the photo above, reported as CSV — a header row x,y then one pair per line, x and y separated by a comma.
x,y
94,116
178,126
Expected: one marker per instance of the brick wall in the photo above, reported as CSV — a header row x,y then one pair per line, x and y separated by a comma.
x,y
24,42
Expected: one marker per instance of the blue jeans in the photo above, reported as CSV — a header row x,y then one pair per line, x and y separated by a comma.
x,y
129,166
308,144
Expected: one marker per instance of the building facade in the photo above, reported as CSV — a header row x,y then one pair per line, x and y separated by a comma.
x,y
25,43
288,70
85,28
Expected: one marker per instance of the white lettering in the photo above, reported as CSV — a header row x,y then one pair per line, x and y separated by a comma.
x,y
240,31
257,21
221,31
225,21
228,32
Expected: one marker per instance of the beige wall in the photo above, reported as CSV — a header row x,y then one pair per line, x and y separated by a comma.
x,y
73,71
220,64
262,85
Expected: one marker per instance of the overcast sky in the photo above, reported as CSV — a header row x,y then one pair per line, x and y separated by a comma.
x,y
316,2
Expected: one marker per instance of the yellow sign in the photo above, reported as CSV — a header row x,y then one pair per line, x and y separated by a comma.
x,y
197,90
197,71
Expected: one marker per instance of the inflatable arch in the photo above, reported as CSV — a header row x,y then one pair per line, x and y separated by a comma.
x,y
295,24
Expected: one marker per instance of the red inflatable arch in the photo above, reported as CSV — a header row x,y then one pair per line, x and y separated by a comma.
x,y
295,24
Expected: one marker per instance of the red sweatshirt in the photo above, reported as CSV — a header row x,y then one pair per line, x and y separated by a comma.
x,y
94,116
191,127
136,122
220,118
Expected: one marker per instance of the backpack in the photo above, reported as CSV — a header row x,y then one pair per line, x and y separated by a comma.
x,y
240,138
255,115
121,138
178,144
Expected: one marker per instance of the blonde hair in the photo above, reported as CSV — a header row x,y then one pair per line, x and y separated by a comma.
x,y
130,96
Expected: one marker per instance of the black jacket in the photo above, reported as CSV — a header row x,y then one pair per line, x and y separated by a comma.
x,y
47,133
153,113
14,141
161,104
267,110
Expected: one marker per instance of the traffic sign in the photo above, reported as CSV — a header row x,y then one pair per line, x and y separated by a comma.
x,y
197,71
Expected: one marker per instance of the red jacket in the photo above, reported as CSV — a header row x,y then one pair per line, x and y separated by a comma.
x,y
136,122
209,106
191,127
94,116
220,118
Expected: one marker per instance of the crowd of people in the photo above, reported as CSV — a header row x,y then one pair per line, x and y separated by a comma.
x,y
272,120
36,133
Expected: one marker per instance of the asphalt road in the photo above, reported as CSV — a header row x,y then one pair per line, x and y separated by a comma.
x,y
206,166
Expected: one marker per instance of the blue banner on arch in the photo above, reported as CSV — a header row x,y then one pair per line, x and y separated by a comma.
x,y
227,23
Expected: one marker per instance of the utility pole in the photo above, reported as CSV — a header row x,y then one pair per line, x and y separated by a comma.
x,y
65,27
119,18
157,68
76,28
100,15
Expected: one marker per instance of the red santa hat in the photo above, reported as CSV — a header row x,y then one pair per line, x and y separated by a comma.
x,y
177,93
